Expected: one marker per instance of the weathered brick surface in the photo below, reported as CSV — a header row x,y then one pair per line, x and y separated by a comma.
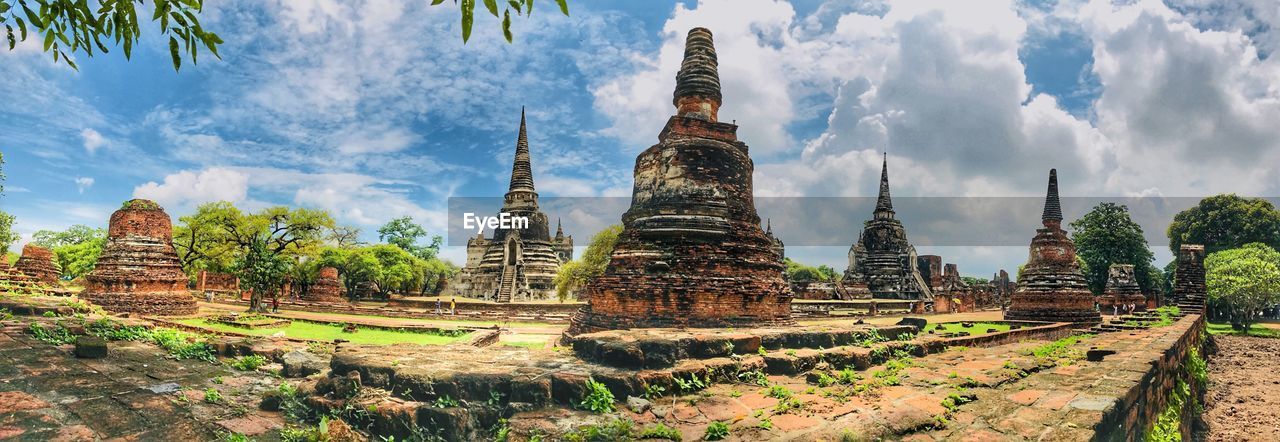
x,y
326,288
691,253
1051,286
39,263
208,281
138,270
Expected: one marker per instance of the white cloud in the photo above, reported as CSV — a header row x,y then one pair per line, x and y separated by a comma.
x,y
186,189
83,183
92,140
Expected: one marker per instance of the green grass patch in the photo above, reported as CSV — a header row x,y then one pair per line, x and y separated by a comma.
x,y
1219,328
329,332
977,329
1061,350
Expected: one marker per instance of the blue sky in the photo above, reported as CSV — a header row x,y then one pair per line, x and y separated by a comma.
x,y
375,109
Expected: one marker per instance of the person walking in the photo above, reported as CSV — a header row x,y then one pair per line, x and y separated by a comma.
x,y
438,312
275,304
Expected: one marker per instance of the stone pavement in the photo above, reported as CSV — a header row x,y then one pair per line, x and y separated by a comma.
x,y
134,394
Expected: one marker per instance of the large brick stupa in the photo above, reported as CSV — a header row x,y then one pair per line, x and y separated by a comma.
x,y
1051,286
138,270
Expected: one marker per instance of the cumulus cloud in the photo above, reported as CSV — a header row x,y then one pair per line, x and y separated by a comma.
x,y
187,188
92,140
83,183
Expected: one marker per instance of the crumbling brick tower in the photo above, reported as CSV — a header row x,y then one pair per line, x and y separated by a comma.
x,y
691,252
326,288
39,263
1122,289
138,270
1189,291
1051,287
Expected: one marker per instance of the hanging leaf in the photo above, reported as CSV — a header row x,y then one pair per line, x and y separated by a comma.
x,y
564,6
506,25
468,17
9,34
492,6
22,26
48,40
528,10
436,2
515,5
173,52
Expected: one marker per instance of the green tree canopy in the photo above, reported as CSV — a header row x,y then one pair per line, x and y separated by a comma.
x,y
261,270
7,235
1107,235
1245,280
404,233
77,248
575,274
1226,221
799,273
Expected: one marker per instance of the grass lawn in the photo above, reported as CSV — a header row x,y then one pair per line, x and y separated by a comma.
x,y
1259,330
526,341
977,329
466,322
326,332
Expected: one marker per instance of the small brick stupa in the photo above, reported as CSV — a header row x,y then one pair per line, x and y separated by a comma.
x,y
1051,287
326,288
39,263
138,270
13,281
1122,289
691,252
1189,291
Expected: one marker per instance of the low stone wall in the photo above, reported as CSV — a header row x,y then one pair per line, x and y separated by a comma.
x,y
494,309
1158,370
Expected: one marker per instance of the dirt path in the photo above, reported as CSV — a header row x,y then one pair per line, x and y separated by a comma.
x,y
1243,400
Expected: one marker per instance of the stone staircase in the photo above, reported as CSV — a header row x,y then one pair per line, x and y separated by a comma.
x,y
1192,303
508,285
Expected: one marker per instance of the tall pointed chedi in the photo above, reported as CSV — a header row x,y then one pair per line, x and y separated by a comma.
x,y
1051,286
882,263
516,264
691,252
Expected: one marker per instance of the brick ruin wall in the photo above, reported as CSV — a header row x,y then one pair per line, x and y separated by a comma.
x,y
1137,409
217,282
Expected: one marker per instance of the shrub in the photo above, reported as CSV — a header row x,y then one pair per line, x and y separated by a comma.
x,y
248,363
212,395
660,431
716,431
446,402
598,398
56,335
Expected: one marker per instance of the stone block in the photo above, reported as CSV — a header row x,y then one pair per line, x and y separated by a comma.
x,y
91,347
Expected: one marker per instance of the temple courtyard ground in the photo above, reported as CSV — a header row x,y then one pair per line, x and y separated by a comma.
x,y
137,393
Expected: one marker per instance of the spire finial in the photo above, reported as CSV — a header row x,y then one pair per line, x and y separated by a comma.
x,y
884,204
768,222
697,92
1052,207
521,170
559,230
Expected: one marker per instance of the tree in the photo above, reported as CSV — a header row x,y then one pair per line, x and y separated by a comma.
x,y
202,241
800,273
1107,235
7,235
345,237
575,274
404,233
1244,280
261,270
522,7
1,173
76,234
80,26
1226,221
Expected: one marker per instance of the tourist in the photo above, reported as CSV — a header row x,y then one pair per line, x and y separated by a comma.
x,y
438,312
275,304
208,296
453,306
1115,309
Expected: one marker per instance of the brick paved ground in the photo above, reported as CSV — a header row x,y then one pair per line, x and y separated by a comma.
x,y
46,394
